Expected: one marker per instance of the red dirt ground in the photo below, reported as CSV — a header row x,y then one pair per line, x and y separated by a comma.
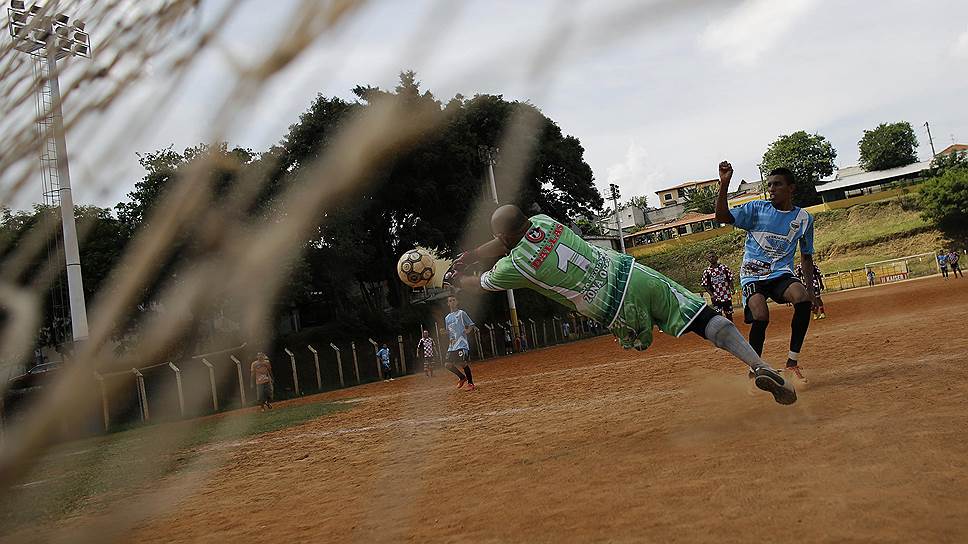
x,y
590,443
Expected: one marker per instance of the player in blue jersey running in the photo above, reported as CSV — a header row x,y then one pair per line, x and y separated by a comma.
x,y
459,325
774,230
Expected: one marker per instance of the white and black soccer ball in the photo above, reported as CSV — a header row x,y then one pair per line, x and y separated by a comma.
x,y
416,268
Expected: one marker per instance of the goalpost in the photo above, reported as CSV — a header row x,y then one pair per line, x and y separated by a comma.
x,y
903,268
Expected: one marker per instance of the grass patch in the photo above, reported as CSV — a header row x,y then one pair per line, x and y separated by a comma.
x,y
97,471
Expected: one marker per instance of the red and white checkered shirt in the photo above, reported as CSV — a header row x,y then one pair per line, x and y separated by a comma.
x,y
718,280
427,345
817,277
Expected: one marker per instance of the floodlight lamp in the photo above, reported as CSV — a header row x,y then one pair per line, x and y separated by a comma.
x,y
61,18
61,31
79,49
41,35
81,37
18,18
35,9
79,25
17,4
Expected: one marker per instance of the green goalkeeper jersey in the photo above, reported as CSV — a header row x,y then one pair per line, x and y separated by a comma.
x,y
556,262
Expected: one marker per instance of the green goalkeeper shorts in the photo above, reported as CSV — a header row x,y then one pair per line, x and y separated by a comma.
x,y
653,299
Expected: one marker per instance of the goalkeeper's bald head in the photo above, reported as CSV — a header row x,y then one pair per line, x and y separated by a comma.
x,y
509,224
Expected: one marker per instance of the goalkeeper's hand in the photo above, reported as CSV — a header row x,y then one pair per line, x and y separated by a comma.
x,y
458,267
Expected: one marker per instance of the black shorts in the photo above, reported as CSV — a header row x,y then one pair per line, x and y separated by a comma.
x,y
458,356
724,306
771,288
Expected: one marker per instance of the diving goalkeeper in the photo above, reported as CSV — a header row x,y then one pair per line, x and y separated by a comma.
x,y
541,254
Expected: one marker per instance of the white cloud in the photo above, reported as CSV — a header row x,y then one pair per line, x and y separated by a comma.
x,y
961,45
751,29
636,175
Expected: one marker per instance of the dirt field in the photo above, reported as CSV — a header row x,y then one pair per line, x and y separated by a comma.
x,y
589,443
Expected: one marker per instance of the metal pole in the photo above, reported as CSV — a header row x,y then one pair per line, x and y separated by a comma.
x,y
211,378
927,126
104,401
512,306
555,327
339,362
178,384
319,377
534,334
356,364
139,384
490,329
238,368
480,350
75,283
618,218
544,331
402,364
295,376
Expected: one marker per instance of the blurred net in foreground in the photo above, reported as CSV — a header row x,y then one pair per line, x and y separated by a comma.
x,y
227,231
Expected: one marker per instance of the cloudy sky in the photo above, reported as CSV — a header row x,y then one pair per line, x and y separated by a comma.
x,y
656,94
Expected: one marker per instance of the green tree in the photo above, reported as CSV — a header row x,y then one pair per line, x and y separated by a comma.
x,y
943,163
640,201
809,156
888,146
700,200
944,199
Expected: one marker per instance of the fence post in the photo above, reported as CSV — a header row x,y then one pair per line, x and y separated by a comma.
x,y
403,361
500,326
379,367
238,369
490,330
534,335
319,377
104,400
295,376
211,378
178,384
544,331
339,362
480,350
142,394
555,327
356,364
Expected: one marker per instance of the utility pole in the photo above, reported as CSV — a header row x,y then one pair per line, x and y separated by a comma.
x,y
49,38
927,126
618,218
488,155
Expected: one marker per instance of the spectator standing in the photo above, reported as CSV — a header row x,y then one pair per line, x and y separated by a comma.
x,y
383,354
262,381
943,263
426,351
870,277
819,312
953,258
717,279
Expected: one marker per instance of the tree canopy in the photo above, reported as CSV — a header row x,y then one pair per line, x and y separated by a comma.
x,y
889,145
809,156
430,192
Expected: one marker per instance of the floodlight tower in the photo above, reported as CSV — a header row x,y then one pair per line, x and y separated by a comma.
x,y
49,38
488,156
613,188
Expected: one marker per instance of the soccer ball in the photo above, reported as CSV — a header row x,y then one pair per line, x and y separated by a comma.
x,y
416,268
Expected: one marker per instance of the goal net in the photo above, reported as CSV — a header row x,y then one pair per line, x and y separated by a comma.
x,y
903,268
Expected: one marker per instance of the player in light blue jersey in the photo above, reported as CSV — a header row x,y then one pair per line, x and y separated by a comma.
x,y
459,325
774,230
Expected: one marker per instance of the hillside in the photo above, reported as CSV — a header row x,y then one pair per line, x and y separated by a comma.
x,y
844,239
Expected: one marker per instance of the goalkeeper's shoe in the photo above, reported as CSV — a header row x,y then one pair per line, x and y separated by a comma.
x,y
772,382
